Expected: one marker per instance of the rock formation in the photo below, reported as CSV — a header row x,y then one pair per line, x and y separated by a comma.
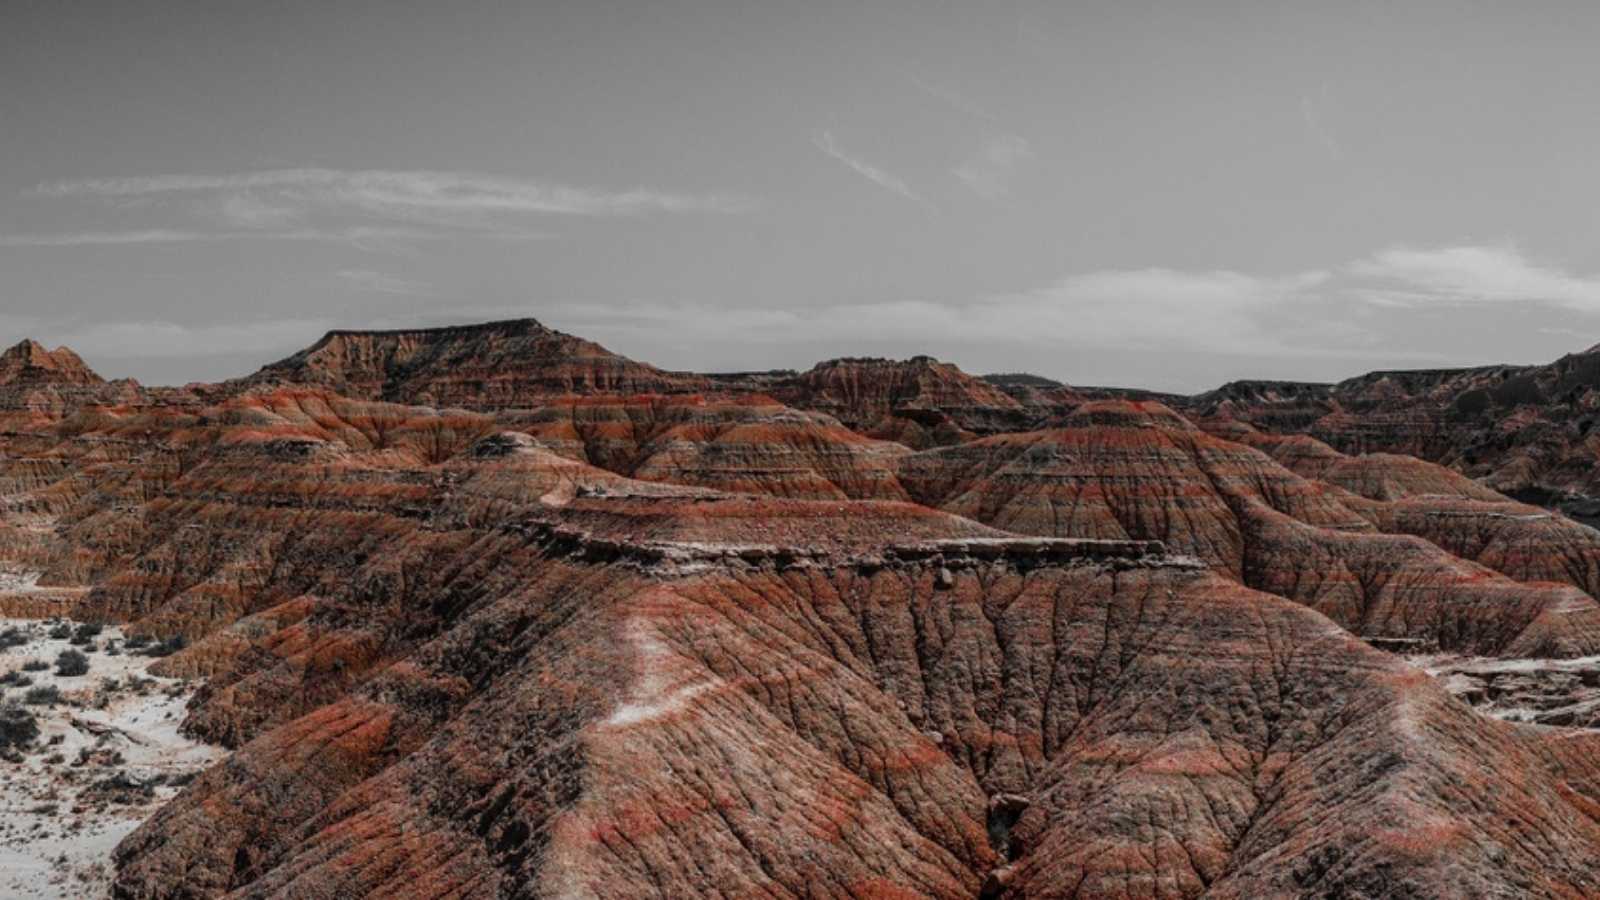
x,y
496,365
564,624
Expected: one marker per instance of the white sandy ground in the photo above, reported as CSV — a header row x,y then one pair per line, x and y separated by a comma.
x,y
54,842
19,582
1461,674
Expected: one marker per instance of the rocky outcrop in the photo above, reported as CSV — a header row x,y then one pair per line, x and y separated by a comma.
x,y
586,642
498,365
40,386
29,364
749,444
1119,469
610,737
920,402
1515,428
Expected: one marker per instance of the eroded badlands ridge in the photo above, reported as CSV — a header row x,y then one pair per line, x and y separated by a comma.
x,y
588,628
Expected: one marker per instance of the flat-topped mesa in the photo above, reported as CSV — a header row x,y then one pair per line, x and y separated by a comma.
x,y
29,364
495,365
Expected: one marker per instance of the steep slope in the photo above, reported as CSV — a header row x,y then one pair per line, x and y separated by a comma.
x,y
1412,496
38,386
585,642
1517,428
1124,470
1009,729
920,402
749,444
29,364
496,365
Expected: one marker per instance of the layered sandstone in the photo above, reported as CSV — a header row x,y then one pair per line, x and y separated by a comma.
x,y
580,640
492,366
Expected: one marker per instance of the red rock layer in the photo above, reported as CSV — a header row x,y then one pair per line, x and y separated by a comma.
x,y
920,402
747,445
1448,509
1519,428
1064,730
1138,470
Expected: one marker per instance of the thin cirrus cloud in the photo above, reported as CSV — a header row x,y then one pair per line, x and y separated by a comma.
x,y
356,235
391,192
988,173
357,206
888,181
373,282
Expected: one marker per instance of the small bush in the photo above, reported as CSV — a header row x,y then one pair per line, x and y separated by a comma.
x,y
18,727
15,679
60,632
12,637
71,663
35,665
167,647
86,632
44,695
136,642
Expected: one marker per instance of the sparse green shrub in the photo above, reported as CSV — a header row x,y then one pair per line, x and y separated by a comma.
x,y
18,726
167,647
72,663
43,695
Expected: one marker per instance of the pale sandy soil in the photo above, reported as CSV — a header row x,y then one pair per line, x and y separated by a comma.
x,y
1549,691
57,830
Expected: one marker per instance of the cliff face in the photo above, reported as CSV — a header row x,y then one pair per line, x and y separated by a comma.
x,y
494,366
673,644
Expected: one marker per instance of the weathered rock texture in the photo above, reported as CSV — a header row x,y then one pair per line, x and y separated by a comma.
x,y
1517,428
920,402
591,629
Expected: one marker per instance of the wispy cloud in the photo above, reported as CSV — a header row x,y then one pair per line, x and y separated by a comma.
x,y
363,207
389,192
1313,122
988,172
1470,275
825,142
1370,308
90,238
374,282
946,96
353,235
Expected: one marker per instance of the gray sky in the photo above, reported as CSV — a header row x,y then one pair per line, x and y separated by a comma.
x,y
1162,195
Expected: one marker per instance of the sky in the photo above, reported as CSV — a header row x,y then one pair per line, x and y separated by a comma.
x,y
1161,195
